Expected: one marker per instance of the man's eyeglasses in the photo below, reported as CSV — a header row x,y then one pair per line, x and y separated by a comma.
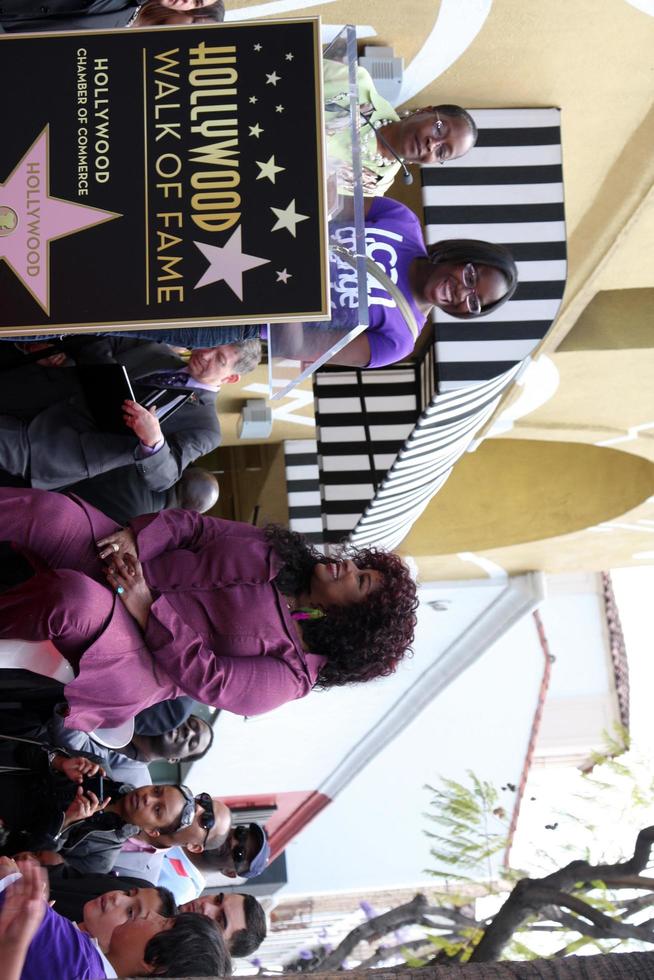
x,y
470,281
208,818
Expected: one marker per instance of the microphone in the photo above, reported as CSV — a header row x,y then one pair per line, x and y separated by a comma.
x,y
406,176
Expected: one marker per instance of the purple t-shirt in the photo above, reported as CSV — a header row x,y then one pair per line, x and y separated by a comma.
x,y
393,240
59,951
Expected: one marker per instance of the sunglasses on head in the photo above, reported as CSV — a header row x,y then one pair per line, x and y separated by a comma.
x,y
188,810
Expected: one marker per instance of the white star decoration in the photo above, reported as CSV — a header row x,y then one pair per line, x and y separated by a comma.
x,y
289,56
257,47
284,276
253,99
273,79
287,218
228,263
256,130
269,169
279,108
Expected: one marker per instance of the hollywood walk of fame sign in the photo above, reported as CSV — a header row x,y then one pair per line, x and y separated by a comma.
x,y
162,177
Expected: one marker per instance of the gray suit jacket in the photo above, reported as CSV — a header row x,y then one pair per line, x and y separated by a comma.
x,y
65,15
66,446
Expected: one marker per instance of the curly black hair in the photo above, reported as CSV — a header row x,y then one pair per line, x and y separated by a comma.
x,y
360,641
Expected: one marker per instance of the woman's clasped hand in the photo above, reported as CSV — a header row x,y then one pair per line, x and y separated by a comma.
x,y
125,576
118,543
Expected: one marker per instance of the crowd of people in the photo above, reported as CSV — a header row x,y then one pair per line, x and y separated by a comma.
x,y
122,606
152,608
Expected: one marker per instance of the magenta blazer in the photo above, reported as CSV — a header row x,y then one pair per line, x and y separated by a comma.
x,y
219,630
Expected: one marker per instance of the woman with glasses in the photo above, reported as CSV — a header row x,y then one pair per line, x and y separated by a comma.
x,y
433,134
462,277
239,617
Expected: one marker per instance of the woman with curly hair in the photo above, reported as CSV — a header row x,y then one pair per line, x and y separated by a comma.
x,y
239,617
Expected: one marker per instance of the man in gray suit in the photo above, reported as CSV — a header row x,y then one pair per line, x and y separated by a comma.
x,y
48,436
92,15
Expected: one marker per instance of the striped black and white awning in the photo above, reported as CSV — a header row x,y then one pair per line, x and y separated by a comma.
x,y
440,437
380,457
507,189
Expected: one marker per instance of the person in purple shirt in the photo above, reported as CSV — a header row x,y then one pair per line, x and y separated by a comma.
x,y
116,938
462,277
240,617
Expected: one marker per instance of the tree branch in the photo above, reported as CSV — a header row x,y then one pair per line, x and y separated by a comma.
x,y
376,928
451,915
390,952
529,895
612,927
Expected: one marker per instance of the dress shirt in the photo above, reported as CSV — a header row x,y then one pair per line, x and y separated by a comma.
x,y
142,450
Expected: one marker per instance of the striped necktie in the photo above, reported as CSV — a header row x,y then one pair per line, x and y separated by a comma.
x,y
169,390
165,379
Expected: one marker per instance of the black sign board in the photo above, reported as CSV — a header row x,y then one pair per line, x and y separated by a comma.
x,y
162,176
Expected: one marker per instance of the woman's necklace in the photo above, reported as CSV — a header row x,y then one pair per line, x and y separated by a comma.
x,y
302,612
369,146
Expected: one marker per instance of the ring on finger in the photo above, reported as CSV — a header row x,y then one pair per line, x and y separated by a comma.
x,y
115,546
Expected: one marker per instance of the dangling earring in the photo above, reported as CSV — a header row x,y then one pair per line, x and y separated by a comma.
x,y
406,113
308,612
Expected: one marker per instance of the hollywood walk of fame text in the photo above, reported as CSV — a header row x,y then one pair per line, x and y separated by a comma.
x,y
212,169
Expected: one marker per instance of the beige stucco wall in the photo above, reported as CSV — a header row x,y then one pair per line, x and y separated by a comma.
x,y
512,492
615,319
629,540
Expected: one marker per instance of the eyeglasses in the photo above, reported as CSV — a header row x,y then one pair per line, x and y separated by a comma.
x,y
439,126
208,818
470,280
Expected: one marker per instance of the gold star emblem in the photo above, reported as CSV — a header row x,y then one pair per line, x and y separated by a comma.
x,y
279,108
288,218
273,79
269,169
255,130
289,56
253,99
284,276
257,47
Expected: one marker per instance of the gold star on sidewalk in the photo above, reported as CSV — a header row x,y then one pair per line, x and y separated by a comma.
x,y
279,108
269,169
288,218
273,79
256,130
284,276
